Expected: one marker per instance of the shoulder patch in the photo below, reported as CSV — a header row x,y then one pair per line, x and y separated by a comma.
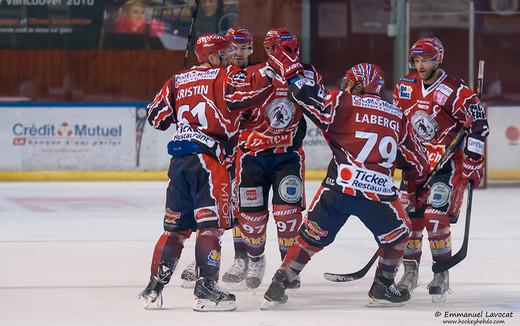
x,y
445,89
405,92
308,74
408,80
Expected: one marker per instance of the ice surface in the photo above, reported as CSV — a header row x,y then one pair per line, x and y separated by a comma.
x,y
79,253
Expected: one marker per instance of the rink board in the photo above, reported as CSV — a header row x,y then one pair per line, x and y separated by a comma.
x,y
78,141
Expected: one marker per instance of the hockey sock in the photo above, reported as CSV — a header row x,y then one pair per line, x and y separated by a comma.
x,y
253,227
168,250
439,236
238,243
288,219
207,253
297,257
413,250
390,258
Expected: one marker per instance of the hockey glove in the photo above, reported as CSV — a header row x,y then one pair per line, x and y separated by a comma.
x,y
416,195
473,170
284,60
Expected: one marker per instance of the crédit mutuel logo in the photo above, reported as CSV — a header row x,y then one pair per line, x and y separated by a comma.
x,y
63,133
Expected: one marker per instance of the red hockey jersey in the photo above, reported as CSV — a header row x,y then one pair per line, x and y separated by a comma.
x,y
437,113
277,124
204,103
367,135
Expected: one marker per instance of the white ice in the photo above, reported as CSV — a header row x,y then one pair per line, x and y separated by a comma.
x,y
79,253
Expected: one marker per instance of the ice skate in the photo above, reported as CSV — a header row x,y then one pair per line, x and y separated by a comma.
x,y
275,294
439,287
153,291
381,295
255,272
210,297
237,272
410,279
189,276
295,284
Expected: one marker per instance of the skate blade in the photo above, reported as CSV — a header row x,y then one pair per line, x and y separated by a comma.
x,y
438,298
271,305
205,305
377,303
148,303
188,284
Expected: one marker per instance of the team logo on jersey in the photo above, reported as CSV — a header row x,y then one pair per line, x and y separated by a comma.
x,y
439,195
405,92
214,258
290,189
251,196
280,114
424,125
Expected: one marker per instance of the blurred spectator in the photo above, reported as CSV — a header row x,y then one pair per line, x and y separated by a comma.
x,y
29,89
134,21
208,17
494,89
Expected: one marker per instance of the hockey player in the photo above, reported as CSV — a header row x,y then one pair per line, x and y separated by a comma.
x,y
200,101
367,136
438,107
242,41
270,155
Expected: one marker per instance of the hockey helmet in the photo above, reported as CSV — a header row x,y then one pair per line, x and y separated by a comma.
x,y
368,75
239,35
282,37
208,44
428,47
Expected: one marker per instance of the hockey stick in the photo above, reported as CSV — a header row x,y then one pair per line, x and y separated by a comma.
x,y
444,265
334,277
192,27
461,254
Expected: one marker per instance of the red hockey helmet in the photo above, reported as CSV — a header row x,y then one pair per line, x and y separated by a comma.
x,y
428,47
208,44
282,37
368,75
239,35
